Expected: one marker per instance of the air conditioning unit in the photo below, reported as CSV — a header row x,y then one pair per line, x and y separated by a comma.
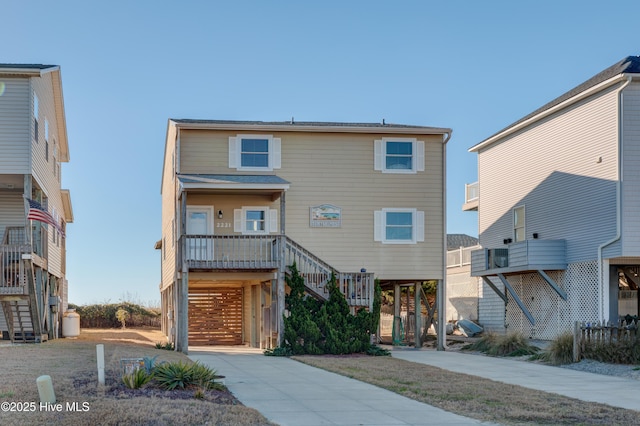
x,y
497,258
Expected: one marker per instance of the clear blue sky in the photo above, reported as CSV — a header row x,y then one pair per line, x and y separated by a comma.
x,y
127,66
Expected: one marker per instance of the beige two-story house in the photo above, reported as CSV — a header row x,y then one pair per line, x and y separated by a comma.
x,y
243,200
34,209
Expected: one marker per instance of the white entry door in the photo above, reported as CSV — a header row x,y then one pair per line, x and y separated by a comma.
x,y
199,226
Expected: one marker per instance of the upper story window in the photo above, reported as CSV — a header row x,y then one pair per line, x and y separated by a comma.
x,y
399,155
399,226
518,224
35,116
254,152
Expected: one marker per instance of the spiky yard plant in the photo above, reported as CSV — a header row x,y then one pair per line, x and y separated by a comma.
x,y
173,375
138,378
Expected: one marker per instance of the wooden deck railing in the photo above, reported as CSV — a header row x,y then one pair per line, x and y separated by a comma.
x,y
13,279
265,252
231,251
358,287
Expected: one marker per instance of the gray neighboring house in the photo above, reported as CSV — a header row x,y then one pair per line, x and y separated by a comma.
x,y
33,146
559,210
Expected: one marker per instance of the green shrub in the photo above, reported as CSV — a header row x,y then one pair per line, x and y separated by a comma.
x,y
166,346
325,327
138,378
375,350
104,315
279,351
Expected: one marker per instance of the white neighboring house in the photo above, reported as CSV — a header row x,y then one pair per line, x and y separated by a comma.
x,y
33,144
558,210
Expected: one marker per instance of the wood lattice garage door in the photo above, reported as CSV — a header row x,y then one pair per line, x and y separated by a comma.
x,y
215,316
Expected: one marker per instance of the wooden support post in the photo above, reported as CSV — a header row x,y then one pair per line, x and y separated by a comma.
x,y
418,315
280,312
441,303
396,313
182,315
576,341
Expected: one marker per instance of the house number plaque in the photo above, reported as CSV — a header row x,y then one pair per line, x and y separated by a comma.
x,y
325,216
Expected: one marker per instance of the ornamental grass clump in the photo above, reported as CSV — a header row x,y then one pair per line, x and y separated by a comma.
x,y
512,344
559,351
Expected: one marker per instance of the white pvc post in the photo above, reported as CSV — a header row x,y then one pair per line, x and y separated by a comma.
x,y
45,389
100,357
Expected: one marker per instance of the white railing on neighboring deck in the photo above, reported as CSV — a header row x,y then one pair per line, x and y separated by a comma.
x,y
13,279
470,192
460,256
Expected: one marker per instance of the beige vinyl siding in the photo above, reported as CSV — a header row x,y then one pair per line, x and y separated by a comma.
x,y
43,169
170,224
553,169
204,151
334,168
15,126
631,170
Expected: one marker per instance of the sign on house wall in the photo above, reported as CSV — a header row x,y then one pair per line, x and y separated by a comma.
x,y
325,216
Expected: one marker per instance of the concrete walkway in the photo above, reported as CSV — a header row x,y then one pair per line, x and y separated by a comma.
x,y
614,391
288,392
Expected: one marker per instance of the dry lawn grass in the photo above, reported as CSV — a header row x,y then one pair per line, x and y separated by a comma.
x,y
72,367
471,396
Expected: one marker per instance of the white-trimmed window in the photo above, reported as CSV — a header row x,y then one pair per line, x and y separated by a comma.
x,y
518,224
399,155
258,220
254,152
399,226
36,107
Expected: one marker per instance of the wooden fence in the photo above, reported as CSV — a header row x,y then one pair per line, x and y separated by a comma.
x,y
586,334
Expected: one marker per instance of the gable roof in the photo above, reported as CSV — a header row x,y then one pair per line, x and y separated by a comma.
x,y
628,65
28,69
309,126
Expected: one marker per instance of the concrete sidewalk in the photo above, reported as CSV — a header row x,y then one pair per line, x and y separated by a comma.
x,y
614,391
288,392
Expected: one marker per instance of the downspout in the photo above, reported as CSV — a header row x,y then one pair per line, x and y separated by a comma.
x,y
618,203
442,288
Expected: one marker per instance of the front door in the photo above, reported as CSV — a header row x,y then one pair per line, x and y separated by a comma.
x,y
199,227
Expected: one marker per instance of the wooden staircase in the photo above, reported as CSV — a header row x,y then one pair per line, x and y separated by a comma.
x,y
18,297
358,287
19,321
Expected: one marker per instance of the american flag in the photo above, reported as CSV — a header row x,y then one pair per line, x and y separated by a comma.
x,y
39,213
